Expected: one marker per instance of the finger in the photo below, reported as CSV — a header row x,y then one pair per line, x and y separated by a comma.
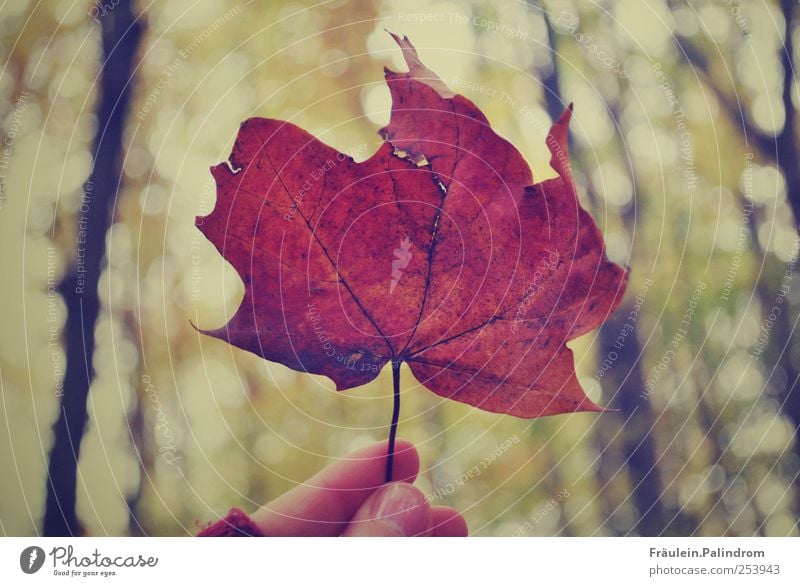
x,y
394,510
325,503
447,522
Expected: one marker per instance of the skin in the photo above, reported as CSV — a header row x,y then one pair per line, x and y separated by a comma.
x,y
349,498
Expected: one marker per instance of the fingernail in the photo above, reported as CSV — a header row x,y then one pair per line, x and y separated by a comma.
x,y
402,509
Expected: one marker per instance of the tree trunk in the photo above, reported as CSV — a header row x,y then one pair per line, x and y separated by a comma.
x,y
626,376
121,33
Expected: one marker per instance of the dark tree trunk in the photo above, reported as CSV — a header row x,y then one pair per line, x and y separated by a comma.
x,y
625,378
788,159
785,148
121,33
628,380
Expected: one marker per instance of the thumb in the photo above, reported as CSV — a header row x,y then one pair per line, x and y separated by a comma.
x,y
394,510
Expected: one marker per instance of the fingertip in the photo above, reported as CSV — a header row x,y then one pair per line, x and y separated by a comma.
x,y
326,502
448,522
406,461
394,510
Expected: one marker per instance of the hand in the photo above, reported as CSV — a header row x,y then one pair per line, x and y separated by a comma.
x,y
349,498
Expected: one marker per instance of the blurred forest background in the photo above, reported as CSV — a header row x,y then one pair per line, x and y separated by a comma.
x,y
685,151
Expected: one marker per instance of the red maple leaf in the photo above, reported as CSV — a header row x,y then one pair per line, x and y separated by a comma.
x,y
439,251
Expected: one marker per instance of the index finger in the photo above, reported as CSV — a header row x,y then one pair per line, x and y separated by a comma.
x,y
324,504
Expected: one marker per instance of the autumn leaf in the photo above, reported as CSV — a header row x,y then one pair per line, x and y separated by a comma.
x,y
439,251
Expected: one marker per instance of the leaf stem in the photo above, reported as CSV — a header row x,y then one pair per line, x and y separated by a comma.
x,y
395,418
